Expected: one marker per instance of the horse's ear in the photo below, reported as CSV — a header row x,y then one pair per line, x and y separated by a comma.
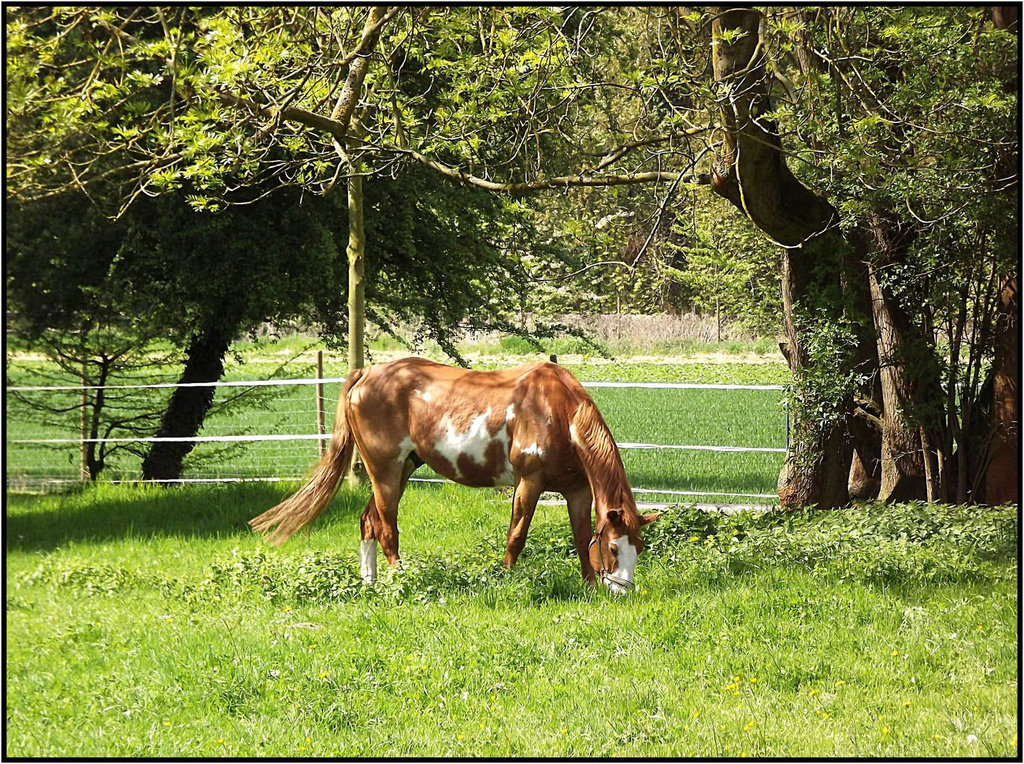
x,y
614,515
644,519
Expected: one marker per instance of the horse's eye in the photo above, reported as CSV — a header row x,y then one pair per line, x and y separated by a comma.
x,y
614,551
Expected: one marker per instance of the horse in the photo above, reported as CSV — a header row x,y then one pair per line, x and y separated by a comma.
x,y
533,427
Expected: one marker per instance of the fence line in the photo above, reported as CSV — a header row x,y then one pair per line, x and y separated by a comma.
x,y
189,481
321,436
331,380
316,436
157,385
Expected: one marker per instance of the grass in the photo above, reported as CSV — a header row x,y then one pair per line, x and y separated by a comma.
x,y
148,622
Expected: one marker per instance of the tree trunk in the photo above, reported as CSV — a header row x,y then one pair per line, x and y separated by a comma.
x,y
903,476
356,251
94,452
1003,472
753,175
204,362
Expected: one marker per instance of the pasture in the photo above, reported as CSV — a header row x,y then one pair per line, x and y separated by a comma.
x,y
151,622
752,418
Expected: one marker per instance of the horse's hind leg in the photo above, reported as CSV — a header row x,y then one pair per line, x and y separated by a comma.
x,y
388,483
524,504
368,544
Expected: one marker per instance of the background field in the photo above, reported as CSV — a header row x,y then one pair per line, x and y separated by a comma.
x,y
752,418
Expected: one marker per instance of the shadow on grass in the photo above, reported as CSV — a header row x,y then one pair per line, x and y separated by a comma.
x,y
108,513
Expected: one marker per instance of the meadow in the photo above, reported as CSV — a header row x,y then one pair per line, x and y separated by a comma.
x,y
145,621
151,622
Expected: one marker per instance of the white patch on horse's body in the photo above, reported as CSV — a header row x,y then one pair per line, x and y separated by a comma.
x,y
625,568
534,449
368,560
510,412
473,443
405,448
424,394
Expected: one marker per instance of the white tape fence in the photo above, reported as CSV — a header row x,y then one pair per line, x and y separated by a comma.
x,y
280,456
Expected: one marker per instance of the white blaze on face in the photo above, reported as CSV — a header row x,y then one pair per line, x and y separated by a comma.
x,y
368,560
625,563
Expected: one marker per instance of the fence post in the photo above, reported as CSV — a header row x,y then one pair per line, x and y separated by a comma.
x,y
320,429
83,461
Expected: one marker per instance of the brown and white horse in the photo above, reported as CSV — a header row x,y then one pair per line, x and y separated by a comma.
x,y
533,427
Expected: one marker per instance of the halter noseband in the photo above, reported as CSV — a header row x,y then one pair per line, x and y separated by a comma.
x,y
607,576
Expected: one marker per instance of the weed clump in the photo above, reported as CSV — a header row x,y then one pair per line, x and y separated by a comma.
x,y
912,543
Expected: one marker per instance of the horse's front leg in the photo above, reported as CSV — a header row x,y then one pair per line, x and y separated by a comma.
x,y
580,504
524,504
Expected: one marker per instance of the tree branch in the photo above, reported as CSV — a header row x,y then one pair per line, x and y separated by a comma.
x,y
561,181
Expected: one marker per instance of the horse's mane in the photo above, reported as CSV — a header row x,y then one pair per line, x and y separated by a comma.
x,y
602,461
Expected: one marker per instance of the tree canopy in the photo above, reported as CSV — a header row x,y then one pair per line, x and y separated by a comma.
x,y
871,153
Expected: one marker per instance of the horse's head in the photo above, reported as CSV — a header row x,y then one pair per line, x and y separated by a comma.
x,y
615,547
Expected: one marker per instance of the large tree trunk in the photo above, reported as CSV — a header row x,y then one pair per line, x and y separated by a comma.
x,y
204,362
1002,475
753,175
903,466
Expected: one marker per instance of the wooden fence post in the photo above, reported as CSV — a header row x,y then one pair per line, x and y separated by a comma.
x,y
320,429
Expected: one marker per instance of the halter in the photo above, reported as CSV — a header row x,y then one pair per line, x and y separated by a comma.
x,y
607,576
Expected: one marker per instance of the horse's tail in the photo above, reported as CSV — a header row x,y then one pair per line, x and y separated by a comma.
x,y
600,455
279,523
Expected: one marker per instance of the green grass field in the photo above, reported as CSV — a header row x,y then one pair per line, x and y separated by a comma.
x,y
151,622
690,417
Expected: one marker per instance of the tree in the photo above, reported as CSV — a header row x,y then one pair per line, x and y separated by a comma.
x,y
876,146
914,176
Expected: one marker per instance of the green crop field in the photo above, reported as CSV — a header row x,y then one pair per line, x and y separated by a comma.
x,y
151,622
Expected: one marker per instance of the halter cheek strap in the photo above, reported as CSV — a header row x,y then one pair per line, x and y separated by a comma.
x,y
607,577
